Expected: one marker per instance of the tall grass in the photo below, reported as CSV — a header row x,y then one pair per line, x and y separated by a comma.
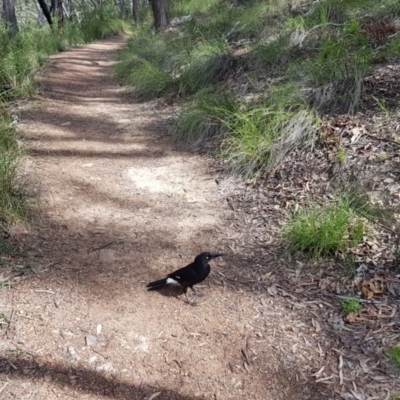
x,y
253,136
12,194
168,64
204,119
321,53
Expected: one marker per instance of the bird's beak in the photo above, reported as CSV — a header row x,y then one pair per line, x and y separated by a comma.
x,y
215,255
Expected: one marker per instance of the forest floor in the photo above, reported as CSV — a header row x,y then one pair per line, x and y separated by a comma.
x,y
121,206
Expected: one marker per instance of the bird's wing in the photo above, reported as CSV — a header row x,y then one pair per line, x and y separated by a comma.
x,y
182,274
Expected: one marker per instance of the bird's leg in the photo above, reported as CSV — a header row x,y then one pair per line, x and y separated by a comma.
x,y
196,293
187,298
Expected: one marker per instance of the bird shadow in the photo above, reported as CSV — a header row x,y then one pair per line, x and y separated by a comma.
x,y
177,292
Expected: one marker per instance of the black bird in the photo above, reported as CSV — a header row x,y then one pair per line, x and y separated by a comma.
x,y
188,276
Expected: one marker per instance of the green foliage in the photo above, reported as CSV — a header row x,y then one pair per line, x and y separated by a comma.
x,y
322,55
341,155
325,230
335,74
12,193
203,119
23,54
176,65
277,53
150,81
253,131
189,7
394,354
255,135
350,305
100,22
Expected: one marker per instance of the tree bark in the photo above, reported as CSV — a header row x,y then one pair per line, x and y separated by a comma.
x,y
160,13
10,17
59,11
135,11
46,11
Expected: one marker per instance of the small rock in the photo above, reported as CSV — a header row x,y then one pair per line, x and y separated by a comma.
x,y
90,340
92,359
107,367
47,378
72,352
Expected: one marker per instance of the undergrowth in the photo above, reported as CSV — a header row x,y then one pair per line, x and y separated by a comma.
x,y
322,52
325,231
23,54
13,197
394,354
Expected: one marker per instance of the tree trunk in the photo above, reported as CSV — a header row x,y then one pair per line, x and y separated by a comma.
x,y
160,13
59,11
135,11
10,17
46,11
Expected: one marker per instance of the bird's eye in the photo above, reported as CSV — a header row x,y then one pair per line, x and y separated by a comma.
x,y
207,257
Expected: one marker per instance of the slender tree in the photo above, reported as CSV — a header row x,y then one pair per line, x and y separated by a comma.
x,y
10,17
160,13
46,11
59,12
135,11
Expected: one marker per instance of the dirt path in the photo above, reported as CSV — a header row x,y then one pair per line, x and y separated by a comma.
x,y
122,207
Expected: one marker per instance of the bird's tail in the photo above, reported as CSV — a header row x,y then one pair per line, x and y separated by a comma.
x,y
157,284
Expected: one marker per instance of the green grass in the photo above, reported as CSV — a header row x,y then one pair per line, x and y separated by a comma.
x,y
24,54
350,305
13,199
394,354
203,119
190,7
253,136
300,67
149,81
166,64
325,231
341,155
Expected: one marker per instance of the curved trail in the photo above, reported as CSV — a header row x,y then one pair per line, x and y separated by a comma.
x,y
122,207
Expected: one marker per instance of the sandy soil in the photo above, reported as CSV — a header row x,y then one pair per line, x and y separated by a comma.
x,y
120,206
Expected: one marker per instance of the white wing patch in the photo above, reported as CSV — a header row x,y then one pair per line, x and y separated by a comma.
x,y
173,281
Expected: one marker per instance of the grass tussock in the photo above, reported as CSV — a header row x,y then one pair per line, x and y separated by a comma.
x,y
204,119
325,231
351,305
